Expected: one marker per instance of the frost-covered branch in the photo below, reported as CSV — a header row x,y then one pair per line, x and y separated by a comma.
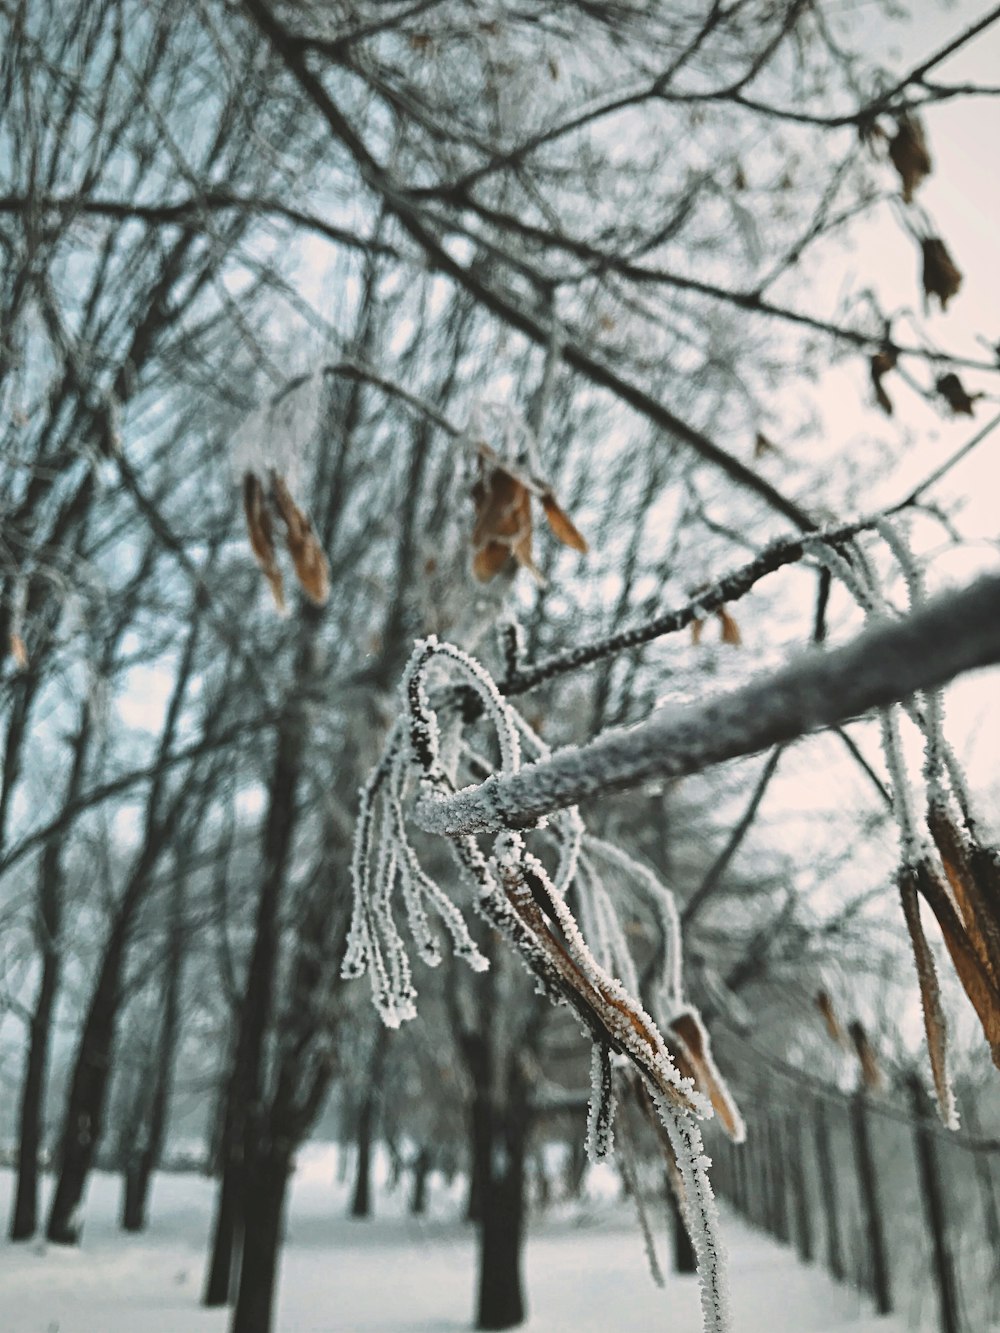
x,y
730,588
584,963
954,634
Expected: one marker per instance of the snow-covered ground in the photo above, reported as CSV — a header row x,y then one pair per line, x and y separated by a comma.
x,y
586,1272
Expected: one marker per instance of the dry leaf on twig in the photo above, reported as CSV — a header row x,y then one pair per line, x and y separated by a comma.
x,y
562,525
694,1059
935,1026
955,394
909,154
941,277
972,972
307,555
836,1033
261,534
504,524
881,363
871,1075
730,630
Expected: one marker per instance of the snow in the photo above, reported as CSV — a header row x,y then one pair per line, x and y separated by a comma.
x,y
585,1269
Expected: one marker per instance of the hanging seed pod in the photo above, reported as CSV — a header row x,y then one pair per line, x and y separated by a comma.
x,y
970,969
977,906
955,394
881,363
836,1033
562,525
261,533
307,555
909,154
503,526
690,1044
871,1075
730,630
935,1026
941,277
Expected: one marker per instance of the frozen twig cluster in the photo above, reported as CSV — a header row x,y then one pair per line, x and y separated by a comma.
x,y
561,921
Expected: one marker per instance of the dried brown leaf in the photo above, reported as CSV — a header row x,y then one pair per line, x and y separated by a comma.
x,y
562,525
261,533
969,967
730,629
311,567
941,277
836,1033
881,363
935,1026
955,394
909,154
762,446
871,1073
488,561
972,892
696,1062
503,526
591,1000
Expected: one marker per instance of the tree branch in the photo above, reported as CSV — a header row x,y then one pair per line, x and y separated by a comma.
x,y
953,634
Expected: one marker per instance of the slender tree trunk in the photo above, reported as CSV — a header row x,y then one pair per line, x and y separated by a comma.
x,y
263,1218
481,1140
144,1155
84,1117
501,1229
576,1165
361,1203
244,1090
227,1229
83,1122
421,1170
24,1220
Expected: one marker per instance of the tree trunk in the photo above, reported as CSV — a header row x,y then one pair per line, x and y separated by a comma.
x,y
576,1165
361,1203
145,1152
501,1228
264,1209
220,1284
83,1122
243,1092
84,1117
421,1170
24,1220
